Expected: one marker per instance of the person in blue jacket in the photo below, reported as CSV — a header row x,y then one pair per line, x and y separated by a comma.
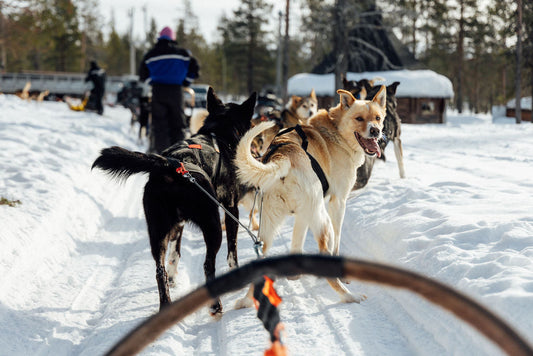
x,y
167,67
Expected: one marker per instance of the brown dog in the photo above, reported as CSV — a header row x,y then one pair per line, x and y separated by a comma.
x,y
299,110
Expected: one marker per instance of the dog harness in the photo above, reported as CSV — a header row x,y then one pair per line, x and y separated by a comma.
x,y
195,148
314,163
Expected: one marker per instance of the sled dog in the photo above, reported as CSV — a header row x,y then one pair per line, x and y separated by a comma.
x,y
299,109
308,165
170,199
391,126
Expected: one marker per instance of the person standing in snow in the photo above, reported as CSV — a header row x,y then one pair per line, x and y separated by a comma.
x,y
168,68
98,77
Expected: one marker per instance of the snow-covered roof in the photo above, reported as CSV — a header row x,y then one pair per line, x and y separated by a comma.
x,y
413,83
525,103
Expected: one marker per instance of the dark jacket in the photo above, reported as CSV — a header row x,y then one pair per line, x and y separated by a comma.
x,y
98,77
166,63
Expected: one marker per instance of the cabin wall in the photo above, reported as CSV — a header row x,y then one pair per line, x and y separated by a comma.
x,y
327,102
411,110
421,110
526,114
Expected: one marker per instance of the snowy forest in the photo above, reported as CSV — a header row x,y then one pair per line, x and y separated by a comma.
x,y
472,42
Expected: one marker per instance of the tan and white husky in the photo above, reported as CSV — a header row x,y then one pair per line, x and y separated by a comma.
x,y
338,141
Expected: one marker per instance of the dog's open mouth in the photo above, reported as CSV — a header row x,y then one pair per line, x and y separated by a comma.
x,y
370,145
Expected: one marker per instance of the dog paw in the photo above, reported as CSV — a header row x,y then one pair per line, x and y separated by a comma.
x,y
215,310
244,303
171,282
350,298
232,261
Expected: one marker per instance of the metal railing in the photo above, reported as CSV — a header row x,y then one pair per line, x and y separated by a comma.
x,y
55,82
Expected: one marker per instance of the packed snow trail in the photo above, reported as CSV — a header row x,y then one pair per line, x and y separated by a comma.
x,y
77,273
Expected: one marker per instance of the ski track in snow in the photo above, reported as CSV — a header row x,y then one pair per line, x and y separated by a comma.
x,y
77,272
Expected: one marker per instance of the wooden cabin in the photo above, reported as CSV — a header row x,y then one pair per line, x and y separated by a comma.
x,y
422,94
525,107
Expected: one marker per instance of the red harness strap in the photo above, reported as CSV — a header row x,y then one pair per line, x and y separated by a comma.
x,y
181,169
266,301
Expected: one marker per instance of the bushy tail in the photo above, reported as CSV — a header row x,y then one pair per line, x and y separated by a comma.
x,y
121,163
252,172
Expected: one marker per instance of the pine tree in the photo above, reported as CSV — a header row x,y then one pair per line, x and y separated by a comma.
x,y
91,35
317,29
116,52
244,44
22,40
61,22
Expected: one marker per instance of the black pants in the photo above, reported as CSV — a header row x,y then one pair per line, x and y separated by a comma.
x,y
95,102
167,116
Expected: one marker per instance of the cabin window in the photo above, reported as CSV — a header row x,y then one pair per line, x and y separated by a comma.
x,y
428,107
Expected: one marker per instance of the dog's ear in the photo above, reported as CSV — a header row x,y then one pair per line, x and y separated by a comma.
x,y
313,95
248,106
381,97
214,104
345,82
295,100
346,99
391,89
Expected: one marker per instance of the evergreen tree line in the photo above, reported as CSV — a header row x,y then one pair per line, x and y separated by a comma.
x,y
472,42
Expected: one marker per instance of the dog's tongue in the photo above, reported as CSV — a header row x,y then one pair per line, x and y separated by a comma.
x,y
370,145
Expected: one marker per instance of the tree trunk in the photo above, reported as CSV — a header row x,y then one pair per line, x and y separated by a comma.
x,y
279,87
460,55
340,43
518,86
3,56
132,46
476,84
415,8
285,64
504,83
250,61
531,83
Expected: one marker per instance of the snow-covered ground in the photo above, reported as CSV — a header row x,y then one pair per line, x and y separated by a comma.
x,y
76,273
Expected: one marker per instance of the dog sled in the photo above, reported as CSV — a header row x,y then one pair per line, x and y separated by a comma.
x,y
88,103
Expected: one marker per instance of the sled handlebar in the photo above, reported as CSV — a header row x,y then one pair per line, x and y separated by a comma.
x,y
465,308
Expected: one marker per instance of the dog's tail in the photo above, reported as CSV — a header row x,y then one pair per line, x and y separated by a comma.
x,y
252,172
121,163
